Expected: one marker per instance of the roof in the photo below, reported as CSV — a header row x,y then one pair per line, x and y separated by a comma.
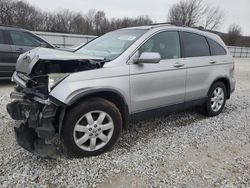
x,y
12,27
150,26
198,30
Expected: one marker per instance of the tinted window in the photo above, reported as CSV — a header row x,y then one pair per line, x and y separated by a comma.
x,y
195,45
167,44
1,37
24,39
215,48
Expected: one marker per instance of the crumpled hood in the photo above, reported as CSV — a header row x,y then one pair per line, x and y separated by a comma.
x,y
27,61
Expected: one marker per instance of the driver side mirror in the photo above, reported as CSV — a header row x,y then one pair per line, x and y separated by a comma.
x,y
149,57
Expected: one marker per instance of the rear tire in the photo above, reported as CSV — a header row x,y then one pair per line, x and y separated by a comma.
x,y
91,127
216,100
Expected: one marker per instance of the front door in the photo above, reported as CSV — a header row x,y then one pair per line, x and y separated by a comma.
x,y
158,85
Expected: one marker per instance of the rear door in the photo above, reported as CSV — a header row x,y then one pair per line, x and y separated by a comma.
x,y
22,41
6,57
199,65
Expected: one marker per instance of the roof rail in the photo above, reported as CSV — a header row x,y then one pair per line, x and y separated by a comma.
x,y
199,28
161,24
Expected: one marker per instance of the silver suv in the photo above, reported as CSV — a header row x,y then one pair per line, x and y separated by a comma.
x,y
88,96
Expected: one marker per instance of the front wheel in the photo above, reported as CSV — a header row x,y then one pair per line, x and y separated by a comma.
x,y
91,127
216,100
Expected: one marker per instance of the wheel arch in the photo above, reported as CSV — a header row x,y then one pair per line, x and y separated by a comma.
x,y
226,82
109,94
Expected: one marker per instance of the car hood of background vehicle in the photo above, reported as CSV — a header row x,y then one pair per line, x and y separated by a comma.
x,y
26,61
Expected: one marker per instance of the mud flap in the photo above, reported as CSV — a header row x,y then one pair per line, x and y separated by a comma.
x,y
28,139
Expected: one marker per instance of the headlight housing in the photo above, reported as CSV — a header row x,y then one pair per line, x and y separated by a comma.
x,y
55,79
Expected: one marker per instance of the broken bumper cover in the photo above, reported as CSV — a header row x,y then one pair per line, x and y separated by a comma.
x,y
38,126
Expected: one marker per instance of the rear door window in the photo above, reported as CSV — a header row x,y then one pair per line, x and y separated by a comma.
x,y
216,49
24,39
195,45
1,37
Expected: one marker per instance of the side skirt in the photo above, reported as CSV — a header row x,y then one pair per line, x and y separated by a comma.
x,y
166,110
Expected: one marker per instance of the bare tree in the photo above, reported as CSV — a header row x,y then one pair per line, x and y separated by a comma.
x,y
6,7
234,32
187,13
213,18
101,23
235,29
22,14
25,15
194,13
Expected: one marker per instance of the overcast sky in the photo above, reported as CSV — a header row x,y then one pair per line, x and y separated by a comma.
x,y
236,11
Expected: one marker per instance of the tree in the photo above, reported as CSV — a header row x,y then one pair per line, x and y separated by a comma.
x,y
213,18
25,15
194,13
22,14
6,7
234,32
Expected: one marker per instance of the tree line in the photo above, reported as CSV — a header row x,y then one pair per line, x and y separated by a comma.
x,y
192,13
22,14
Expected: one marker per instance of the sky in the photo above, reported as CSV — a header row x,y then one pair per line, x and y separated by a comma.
x,y
236,11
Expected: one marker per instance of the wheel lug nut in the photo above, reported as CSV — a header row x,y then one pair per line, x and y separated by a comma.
x,y
99,129
95,125
90,129
90,134
96,134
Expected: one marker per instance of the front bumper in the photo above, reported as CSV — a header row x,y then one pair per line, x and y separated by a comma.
x,y
38,123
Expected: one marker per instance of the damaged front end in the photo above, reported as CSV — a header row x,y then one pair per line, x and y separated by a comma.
x,y
40,114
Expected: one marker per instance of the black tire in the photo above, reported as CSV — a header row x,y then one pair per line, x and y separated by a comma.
x,y
208,105
76,112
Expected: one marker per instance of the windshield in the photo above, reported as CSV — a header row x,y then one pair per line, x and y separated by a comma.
x,y
111,45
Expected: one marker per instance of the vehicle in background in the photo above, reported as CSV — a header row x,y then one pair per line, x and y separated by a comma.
x,y
88,96
13,42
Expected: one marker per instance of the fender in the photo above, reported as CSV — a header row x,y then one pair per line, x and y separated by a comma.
x,y
226,81
86,93
92,91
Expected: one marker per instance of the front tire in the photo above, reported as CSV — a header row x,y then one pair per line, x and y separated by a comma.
x,y
216,100
91,127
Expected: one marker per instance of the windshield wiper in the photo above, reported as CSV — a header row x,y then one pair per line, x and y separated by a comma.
x,y
100,63
105,60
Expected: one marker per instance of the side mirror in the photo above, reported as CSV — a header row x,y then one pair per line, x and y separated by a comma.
x,y
149,57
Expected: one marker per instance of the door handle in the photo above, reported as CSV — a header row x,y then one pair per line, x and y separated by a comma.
x,y
20,50
212,62
178,65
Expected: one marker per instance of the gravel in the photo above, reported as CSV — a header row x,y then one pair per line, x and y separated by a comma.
x,y
181,150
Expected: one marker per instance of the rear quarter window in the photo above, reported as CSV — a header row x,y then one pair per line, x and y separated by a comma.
x,y
195,45
216,48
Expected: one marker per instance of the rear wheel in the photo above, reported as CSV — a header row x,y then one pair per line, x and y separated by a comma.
x,y
91,127
216,100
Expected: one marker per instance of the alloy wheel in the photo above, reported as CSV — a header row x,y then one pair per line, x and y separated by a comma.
x,y
93,130
217,99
